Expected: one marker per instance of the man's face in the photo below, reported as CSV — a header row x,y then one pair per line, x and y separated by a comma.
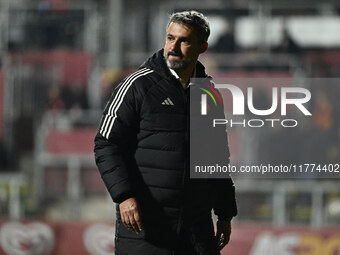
x,y
181,48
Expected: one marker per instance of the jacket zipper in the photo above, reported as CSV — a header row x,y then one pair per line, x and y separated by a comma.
x,y
185,97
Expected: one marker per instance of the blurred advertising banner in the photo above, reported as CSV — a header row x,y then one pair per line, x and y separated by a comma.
x,y
49,238
259,240
66,238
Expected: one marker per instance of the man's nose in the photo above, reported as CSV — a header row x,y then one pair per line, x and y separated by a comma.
x,y
175,45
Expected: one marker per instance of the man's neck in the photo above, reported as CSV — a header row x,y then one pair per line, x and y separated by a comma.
x,y
187,74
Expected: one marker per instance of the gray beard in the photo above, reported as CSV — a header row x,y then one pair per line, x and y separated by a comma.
x,y
178,65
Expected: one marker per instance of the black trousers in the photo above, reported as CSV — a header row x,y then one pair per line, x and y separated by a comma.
x,y
186,246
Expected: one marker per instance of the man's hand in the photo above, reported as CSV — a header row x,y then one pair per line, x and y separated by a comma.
x,y
223,233
130,215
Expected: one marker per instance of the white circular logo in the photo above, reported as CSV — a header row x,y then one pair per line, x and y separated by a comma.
x,y
26,239
99,239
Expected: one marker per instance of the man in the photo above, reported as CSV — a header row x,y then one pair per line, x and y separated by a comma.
x,y
142,152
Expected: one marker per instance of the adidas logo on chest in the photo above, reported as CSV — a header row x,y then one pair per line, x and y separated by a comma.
x,y
167,102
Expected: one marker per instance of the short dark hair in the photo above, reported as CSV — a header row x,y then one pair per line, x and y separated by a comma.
x,y
195,19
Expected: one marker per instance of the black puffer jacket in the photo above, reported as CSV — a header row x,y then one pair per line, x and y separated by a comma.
x,y
142,151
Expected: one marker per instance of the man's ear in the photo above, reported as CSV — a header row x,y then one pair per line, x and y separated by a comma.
x,y
204,47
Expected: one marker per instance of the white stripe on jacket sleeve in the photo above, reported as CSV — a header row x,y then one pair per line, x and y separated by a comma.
x,y
111,114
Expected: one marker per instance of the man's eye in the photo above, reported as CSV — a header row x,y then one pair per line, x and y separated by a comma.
x,y
170,38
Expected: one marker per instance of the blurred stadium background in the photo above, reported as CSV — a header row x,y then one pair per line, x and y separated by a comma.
x,y
60,60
